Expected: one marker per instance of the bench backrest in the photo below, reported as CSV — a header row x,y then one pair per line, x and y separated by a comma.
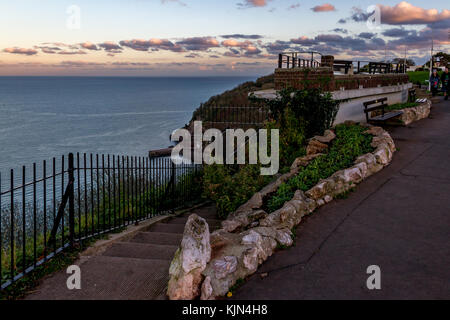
x,y
380,105
412,95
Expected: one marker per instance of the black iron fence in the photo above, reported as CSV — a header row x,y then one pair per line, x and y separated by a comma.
x,y
50,207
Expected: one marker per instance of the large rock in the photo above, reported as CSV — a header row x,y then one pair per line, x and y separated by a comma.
x,y
327,137
315,147
190,260
304,161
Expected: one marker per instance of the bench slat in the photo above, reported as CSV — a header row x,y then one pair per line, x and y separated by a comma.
x,y
387,116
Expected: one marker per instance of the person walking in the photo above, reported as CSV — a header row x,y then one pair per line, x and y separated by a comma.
x,y
446,83
434,81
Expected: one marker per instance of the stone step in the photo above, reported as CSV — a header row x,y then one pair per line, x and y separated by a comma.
x,y
171,239
167,228
110,278
184,219
141,251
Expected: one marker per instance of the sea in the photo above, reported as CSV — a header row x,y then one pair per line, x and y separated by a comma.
x,y
46,117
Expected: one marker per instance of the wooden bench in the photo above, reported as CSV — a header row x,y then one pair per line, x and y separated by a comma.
x,y
412,95
381,104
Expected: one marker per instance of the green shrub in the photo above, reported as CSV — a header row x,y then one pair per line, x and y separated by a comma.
x,y
297,114
314,109
231,186
351,142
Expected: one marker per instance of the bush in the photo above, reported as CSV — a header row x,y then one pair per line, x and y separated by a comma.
x,y
230,187
297,114
351,142
314,109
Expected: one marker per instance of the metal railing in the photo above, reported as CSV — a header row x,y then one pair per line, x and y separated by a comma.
x,y
290,60
54,206
232,117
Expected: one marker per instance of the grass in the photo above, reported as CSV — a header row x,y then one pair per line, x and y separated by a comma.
x,y
420,77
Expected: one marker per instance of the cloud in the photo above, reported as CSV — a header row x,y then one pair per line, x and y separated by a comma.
x,y
304,41
66,52
174,1
253,3
397,32
154,44
366,35
340,30
110,46
199,43
405,13
277,47
89,46
294,6
23,51
324,8
48,49
242,36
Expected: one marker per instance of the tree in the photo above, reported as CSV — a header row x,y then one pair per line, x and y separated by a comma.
x,y
444,58
409,62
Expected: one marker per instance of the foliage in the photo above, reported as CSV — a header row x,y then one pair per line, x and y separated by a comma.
x,y
314,109
237,96
420,77
351,142
230,186
297,114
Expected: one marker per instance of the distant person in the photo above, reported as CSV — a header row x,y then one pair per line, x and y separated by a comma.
x,y
446,83
434,81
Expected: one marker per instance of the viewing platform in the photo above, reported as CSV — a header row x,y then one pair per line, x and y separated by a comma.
x,y
352,82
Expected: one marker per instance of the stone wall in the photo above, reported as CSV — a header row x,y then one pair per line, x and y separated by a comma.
x,y
250,235
300,78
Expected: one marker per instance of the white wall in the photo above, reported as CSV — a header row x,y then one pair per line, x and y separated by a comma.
x,y
353,109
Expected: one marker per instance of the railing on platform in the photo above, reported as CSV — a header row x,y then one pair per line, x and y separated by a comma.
x,y
290,60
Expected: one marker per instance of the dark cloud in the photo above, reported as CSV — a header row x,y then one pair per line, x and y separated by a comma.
x,y
242,36
366,35
397,32
340,30
22,51
199,43
152,44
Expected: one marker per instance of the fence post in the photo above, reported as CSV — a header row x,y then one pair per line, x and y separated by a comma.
x,y
280,61
71,201
174,178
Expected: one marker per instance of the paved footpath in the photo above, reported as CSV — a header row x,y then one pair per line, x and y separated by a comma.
x,y
398,219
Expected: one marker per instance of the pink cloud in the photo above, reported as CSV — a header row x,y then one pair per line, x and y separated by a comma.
x,y
406,13
324,8
24,51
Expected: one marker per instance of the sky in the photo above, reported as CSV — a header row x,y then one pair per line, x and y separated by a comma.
x,y
208,37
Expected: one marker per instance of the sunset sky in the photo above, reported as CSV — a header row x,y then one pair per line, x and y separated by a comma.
x,y
198,37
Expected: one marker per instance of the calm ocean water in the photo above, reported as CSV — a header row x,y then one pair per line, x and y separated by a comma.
x,y
45,117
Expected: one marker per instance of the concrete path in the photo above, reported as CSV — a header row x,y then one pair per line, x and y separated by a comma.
x,y
398,219
136,268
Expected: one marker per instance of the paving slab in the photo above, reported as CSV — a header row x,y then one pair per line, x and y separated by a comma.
x,y
398,220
